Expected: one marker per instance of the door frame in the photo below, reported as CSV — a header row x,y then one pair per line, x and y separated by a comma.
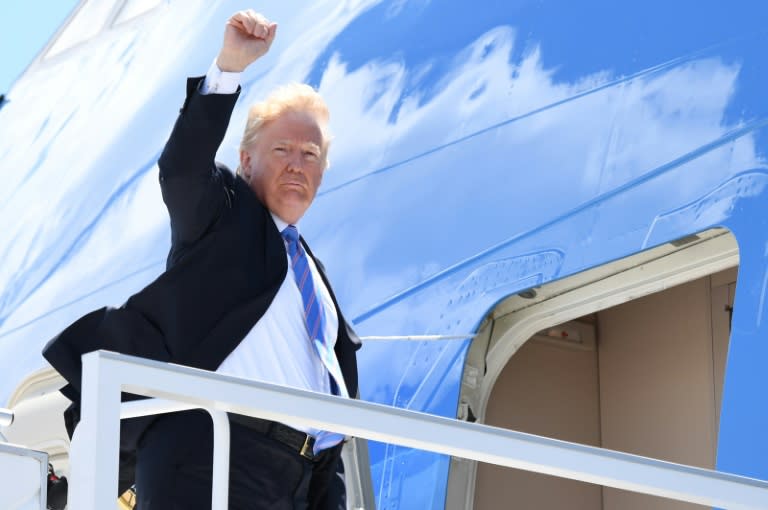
x,y
516,319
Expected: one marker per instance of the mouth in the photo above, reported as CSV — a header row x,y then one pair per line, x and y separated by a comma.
x,y
294,187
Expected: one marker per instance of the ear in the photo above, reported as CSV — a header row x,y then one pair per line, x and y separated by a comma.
x,y
245,164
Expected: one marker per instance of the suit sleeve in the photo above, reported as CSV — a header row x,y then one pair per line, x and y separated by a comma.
x,y
191,183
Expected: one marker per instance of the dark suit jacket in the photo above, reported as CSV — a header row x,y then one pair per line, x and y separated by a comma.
x,y
226,263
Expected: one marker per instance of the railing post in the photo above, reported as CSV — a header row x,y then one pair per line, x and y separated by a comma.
x,y
221,440
6,417
95,445
221,446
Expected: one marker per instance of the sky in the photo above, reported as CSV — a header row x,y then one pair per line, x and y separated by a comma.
x,y
25,27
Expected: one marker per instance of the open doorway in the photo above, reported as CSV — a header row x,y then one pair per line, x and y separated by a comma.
x,y
640,370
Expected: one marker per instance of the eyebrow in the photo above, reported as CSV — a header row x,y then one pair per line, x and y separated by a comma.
x,y
303,145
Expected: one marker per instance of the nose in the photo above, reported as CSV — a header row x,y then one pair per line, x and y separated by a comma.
x,y
295,161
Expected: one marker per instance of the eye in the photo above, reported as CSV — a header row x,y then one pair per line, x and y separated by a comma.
x,y
280,150
311,155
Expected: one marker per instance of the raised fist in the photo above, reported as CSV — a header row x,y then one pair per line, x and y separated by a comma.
x,y
247,36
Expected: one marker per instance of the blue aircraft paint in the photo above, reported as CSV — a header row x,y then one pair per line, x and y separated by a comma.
x,y
481,149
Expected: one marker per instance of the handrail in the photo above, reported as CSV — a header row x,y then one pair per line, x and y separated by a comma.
x,y
220,481
106,374
416,338
6,417
42,461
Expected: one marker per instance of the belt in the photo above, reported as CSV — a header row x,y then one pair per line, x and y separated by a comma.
x,y
298,441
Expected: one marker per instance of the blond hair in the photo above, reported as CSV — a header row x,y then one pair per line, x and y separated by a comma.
x,y
294,97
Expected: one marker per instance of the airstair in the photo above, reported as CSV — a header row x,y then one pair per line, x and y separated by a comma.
x,y
23,473
94,453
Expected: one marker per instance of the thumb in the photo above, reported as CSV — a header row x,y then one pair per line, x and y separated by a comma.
x,y
271,32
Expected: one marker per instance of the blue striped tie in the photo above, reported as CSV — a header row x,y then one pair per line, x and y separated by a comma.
x,y
315,321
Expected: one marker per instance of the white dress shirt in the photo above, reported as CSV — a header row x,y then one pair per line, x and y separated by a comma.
x,y
219,82
278,349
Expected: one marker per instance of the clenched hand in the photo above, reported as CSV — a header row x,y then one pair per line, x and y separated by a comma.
x,y
247,36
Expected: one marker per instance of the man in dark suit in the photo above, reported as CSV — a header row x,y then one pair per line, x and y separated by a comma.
x,y
242,295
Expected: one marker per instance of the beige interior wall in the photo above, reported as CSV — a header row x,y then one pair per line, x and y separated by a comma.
x,y
550,391
652,387
657,391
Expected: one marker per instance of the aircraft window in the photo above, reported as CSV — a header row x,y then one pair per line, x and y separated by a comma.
x,y
90,19
134,8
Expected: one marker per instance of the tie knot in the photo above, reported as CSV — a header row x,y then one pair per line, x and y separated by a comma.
x,y
290,234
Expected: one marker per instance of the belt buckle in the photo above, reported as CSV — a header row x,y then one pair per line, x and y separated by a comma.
x,y
307,448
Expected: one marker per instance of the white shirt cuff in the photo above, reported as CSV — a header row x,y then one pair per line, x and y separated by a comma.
x,y
219,82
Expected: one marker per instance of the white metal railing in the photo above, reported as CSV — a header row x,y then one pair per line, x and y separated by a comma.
x,y
416,338
24,478
105,375
6,417
219,493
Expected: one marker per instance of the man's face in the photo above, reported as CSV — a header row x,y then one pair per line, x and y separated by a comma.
x,y
285,165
